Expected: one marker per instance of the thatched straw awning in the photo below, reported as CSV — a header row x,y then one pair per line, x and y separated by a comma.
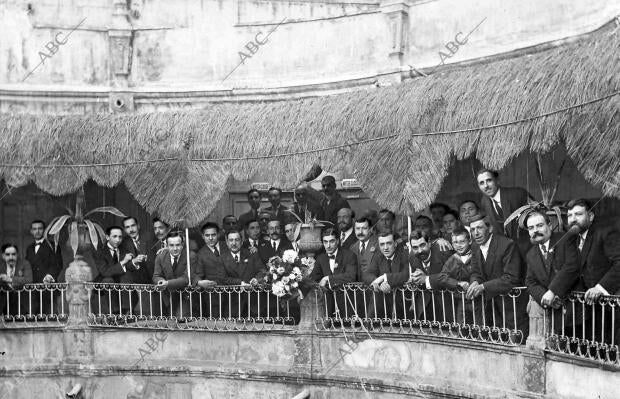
x,y
178,164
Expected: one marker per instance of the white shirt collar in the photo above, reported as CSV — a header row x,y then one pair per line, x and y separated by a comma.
x,y
497,197
172,258
584,235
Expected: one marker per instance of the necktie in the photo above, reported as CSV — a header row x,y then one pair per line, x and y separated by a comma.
x,y
175,262
37,245
332,262
273,244
342,235
581,242
362,247
216,252
137,244
389,264
237,258
498,210
543,249
10,270
251,243
115,255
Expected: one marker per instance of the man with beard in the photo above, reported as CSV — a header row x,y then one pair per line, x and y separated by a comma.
x,y
252,236
386,272
552,266
275,246
599,259
171,275
13,275
497,267
136,245
499,202
366,247
254,199
345,218
279,211
427,260
46,265
304,209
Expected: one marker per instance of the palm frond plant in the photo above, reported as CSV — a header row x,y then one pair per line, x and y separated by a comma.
x,y
546,205
82,232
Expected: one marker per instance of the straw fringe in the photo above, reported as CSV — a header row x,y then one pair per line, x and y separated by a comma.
x,y
202,150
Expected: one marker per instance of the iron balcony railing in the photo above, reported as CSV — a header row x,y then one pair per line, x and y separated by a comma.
x,y
413,310
32,305
584,330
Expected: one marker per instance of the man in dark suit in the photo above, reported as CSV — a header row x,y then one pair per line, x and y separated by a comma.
x,y
160,230
366,247
427,260
599,259
208,269
279,211
252,236
305,210
345,217
254,200
137,245
385,273
333,268
291,232
332,201
275,246
46,265
115,265
499,202
14,273
552,267
240,267
170,276
497,267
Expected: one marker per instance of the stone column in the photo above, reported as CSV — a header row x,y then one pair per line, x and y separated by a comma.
x,y
397,19
307,343
78,336
539,326
120,34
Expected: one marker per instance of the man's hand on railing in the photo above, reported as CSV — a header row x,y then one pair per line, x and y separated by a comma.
x,y
48,279
474,290
162,284
6,279
418,277
385,287
594,294
254,282
377,283
206,283
324,283
548,299
464,285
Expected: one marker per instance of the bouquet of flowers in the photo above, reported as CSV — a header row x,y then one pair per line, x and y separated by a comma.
x,y
286,273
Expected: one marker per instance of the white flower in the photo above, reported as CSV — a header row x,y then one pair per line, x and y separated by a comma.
x,y
278,289
281,270
285,280
289,256
272,269
275,276
294,284
296,271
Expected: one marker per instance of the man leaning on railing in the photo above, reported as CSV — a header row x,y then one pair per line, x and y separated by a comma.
x,y
14,273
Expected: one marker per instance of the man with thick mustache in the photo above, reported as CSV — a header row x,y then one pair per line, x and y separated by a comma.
x,y
427,260
14,273
599,260
497,267
366,247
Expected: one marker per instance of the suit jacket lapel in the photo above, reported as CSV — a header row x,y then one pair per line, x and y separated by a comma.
x,y
167,266
490,261
586,246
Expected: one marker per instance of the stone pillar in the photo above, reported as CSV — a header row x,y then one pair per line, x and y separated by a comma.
x,y
307,344
539,326
120,53
397,19
78,336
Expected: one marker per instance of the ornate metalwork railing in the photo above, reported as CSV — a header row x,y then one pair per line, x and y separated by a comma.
x,y
33,305
225,308
413,310
584,330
